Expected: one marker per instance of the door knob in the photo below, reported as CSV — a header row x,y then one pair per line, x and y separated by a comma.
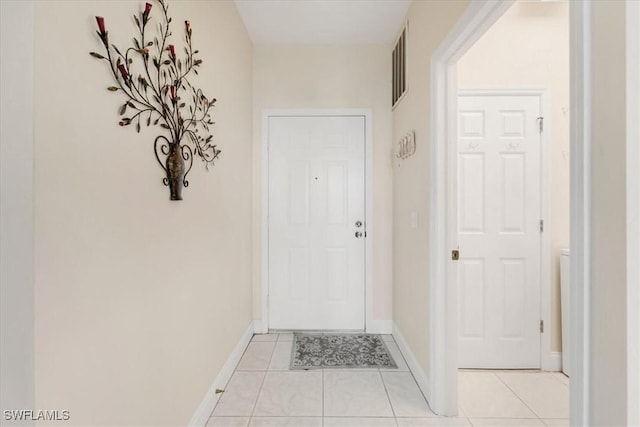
x,y
358,234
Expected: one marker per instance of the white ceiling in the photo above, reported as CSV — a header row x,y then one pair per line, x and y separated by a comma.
x,y
323,21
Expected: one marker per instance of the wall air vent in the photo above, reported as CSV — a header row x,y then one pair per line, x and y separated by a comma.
x,y
399,79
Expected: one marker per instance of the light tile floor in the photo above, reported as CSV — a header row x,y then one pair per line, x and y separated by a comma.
x,y
264,392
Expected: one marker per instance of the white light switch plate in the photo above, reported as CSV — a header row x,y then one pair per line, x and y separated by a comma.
x,y
414,219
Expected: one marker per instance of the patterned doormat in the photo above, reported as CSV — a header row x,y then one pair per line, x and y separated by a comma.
x,y
315,351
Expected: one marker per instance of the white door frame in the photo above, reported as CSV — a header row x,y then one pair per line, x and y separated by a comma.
x,y
633,211
370,325
443,298
547,361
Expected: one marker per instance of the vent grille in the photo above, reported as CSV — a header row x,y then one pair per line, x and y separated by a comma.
x,y
399,67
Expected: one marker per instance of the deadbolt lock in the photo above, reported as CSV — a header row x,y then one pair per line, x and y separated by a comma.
x,y
455,255
358,224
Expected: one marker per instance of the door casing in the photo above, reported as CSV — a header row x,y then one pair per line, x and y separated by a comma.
x,y
479,16
633,212
371,326
548,361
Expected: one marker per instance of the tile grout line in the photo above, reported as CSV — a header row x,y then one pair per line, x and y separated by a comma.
x,y
323,397
559,380
393,340
401,357
264,378
414,379
519,398
387,393
235,370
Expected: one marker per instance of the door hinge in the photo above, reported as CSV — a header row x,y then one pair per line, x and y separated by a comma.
x,y
540,124
542,225
455,254
542,326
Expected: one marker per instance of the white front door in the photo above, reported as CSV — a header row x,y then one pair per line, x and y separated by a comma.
x,y
499,231
316,207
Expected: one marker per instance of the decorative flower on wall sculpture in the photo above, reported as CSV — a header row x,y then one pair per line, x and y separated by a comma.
x,y
153,79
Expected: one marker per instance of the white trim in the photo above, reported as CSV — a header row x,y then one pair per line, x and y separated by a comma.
x,y
443,298
580,221
370,323
479,16
203,413
257,327
554,361
416,370
264,267
547,362
633,212
368,208
379,327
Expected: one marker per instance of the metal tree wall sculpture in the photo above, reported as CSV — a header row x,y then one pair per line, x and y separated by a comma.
x,y
153,80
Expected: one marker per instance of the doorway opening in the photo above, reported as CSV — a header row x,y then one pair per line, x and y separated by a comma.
x,y
316,184
512,201
501,199
316,223
445,204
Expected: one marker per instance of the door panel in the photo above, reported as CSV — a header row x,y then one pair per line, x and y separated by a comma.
x,y
472,293
316,195
498,231
472,186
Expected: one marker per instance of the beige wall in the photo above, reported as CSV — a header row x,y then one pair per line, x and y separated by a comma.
x,y
608,341
127,284
429,23
528,47
312,76
16,207
138,300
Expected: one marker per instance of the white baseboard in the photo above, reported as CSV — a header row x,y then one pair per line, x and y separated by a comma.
x,y
257,327
379,327
202,414
553,362
418,373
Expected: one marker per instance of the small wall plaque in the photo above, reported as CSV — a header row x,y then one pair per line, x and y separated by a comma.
x,y
406,146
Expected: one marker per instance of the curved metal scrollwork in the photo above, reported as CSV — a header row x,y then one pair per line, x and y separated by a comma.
x,y
164,148
187,155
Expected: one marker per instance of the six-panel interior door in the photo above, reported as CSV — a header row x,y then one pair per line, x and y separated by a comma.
x,y
316,207
499,231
